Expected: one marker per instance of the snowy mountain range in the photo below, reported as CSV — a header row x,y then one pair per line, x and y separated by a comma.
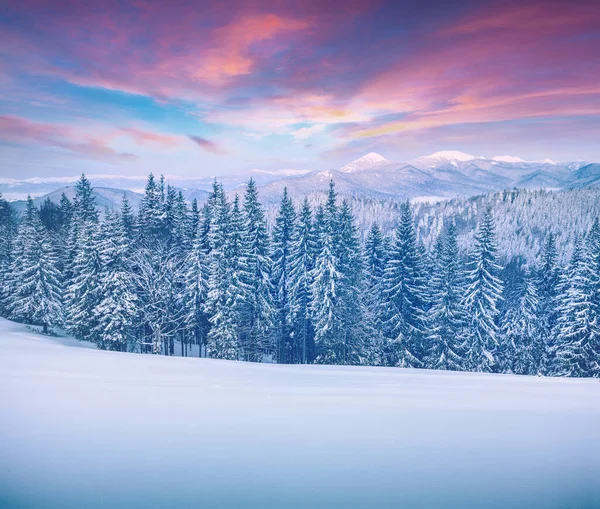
x,y
444,174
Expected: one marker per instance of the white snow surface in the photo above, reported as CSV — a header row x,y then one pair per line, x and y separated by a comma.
x,y
508,159
366,162
449,155
82,428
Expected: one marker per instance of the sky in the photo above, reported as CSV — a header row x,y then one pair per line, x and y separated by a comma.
x,y
200,88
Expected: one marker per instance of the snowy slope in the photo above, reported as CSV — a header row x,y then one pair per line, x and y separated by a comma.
x,y
82,428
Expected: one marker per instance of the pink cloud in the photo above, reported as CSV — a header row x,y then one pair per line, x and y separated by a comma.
x,y
208,145
78,141
516,67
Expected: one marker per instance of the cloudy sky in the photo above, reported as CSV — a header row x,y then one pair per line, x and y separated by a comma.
x,y
207,88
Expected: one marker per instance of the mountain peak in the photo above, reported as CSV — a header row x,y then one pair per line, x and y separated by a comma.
x,y
365,162
451,155
508,159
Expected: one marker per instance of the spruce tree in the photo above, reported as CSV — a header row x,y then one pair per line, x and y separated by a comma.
x,y
405,291
223,300
519,332
282,245
8,229
577,329
483,293
447,317
301,266
117,307
196,277
546,280
36,293
326,286
83,291
359,335
258,309
151,213
84,203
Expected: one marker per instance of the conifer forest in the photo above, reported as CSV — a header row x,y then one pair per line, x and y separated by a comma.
x,y
221,280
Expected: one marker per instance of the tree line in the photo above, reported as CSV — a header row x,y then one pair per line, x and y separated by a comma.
x,y
216,278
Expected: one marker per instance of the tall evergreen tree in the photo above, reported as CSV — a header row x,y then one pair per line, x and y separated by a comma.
x,y
405,291
151,213
484,291
8,229
519,331
117,306
578,328
547,278
282,245
258,308
302,264
195,294
35,291
223,294
358,330
326,285
447,317
83,291
84,203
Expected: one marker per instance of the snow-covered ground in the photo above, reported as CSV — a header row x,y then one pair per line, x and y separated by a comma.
x,y
82,428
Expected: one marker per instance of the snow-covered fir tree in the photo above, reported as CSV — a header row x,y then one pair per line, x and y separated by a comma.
x,y
223,301
546,280
118,306
283,235
405,292
577,348
8,229
258,310
327,308
302,263
83,291
520,338
483,293
35,293
196,273
447,317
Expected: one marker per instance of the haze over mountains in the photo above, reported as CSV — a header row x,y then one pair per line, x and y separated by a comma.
x,y
444,174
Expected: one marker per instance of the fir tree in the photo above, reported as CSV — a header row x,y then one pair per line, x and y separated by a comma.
x,y
283,240
301,266
150,214
36,294
196,276
223,295
577,329
404,285
83,292
447,316
547,278
520,335
84,203
258,308
484,291
127,219
8,229
117,306
326,281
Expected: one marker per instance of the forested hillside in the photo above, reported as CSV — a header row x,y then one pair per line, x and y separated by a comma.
x,y
508,282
